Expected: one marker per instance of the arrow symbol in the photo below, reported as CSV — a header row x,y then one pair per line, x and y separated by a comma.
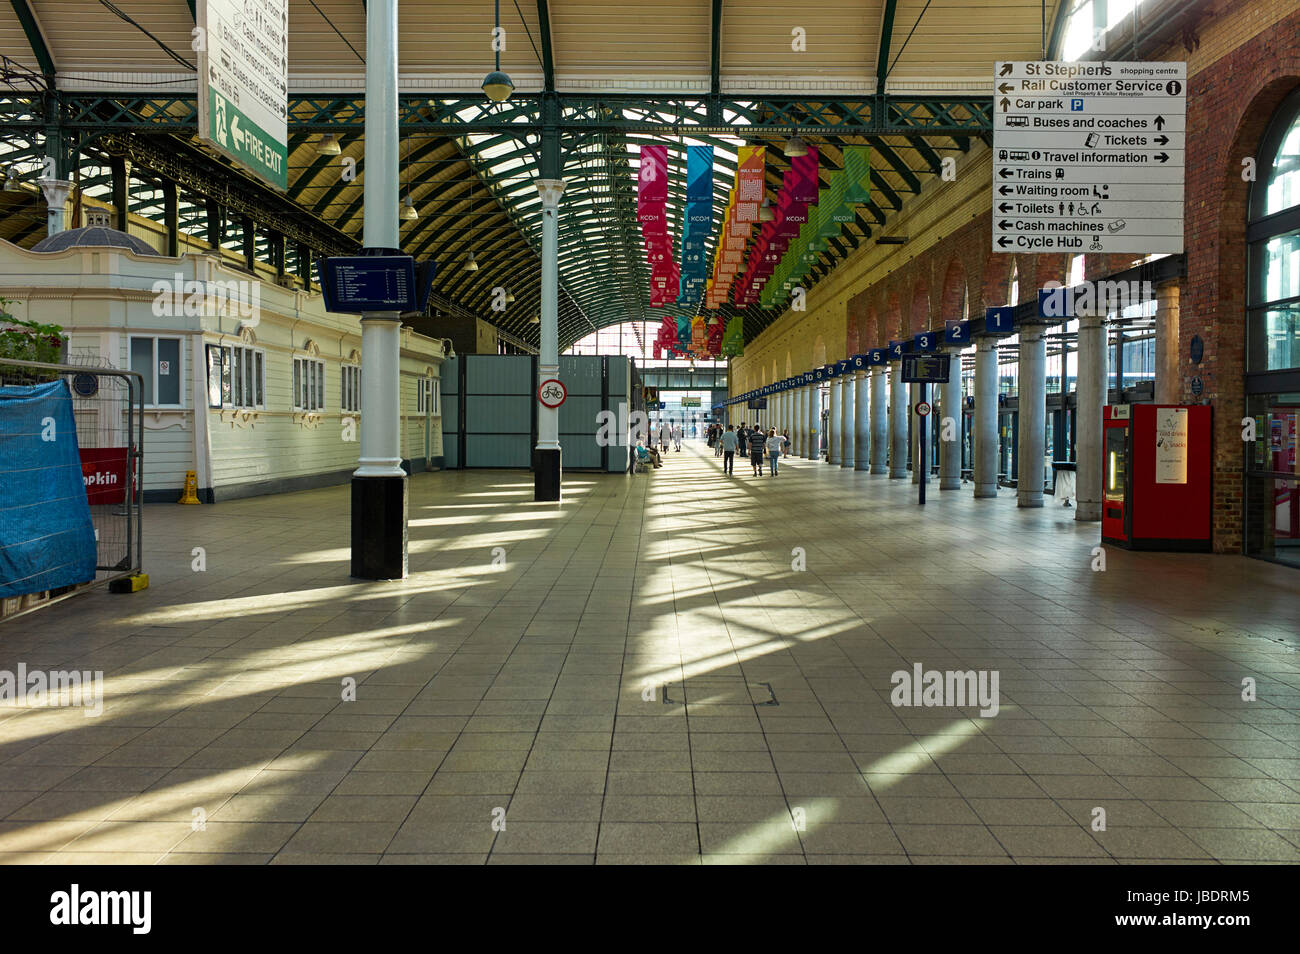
x,y
1161,140
1004,224
236,133
1159,122
1006,88
1005,206
1163,157
1005,103
1005,190
1005,173
1006,70
1004,241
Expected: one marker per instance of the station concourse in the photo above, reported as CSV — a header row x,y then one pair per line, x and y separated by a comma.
x,y
708,434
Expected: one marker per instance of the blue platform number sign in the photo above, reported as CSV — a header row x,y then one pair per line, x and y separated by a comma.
x,y
877,356
925,341
956,332
843,367
999,321
895,350
859,361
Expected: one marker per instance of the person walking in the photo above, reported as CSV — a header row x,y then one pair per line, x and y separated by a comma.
x,y
742,438
677,437
757,439
775,446
717,440
665,435
728,445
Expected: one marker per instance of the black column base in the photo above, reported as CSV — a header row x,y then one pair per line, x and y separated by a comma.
x,y
547,473
379,528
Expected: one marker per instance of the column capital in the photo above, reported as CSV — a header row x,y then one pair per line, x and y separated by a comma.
x,y
550,190
56,190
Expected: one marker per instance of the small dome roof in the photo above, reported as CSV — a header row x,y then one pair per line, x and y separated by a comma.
x,y
93,237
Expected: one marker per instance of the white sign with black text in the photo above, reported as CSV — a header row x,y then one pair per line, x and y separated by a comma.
x,y
1089,157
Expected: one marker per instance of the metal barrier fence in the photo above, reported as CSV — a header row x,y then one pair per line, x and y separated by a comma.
x,y
107,405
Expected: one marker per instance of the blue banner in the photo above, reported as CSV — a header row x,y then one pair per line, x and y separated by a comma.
x,y
699,174
47,538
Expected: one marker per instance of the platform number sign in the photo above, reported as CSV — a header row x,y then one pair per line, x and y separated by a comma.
x,y
926,341
877,356
998,321
956,332
895,349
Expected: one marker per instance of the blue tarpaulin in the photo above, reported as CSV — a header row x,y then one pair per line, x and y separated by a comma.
x,y
47,538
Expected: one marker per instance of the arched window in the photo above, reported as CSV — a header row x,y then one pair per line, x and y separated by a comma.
x,y
1013,285
1273,235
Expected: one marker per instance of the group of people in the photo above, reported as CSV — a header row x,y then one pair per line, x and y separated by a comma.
x,y
752,442
661,435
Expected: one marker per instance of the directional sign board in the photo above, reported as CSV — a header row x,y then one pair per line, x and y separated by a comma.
x,y
243,90
1089,157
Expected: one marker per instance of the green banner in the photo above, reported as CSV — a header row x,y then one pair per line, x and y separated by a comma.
x,y
246,142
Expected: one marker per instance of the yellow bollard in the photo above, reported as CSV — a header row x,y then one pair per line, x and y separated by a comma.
x,y
191,487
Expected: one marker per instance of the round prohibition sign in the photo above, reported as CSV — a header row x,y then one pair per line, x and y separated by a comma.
x,y
552,393
923,408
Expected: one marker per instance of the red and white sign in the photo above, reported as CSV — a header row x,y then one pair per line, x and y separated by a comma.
x,y
104,472
552,393
923,408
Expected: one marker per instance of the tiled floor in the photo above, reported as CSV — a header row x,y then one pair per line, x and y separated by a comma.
x,y
645,675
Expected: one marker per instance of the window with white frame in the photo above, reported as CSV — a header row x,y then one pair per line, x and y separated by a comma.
x,y
351,388
426,396
308,384
158,360
236,377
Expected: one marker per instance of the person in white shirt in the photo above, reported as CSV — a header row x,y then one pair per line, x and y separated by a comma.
x,y
677,437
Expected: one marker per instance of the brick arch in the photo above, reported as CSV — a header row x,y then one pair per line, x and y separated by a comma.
x,y
893,319
954,285
918,315
870,336
1216,255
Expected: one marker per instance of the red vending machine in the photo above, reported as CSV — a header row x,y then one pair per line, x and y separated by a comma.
x,y
1157,476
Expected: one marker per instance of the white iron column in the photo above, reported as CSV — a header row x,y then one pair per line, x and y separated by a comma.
x,y
1167,346
546,457
986,417
814,421
897,423
862,420
950,424
379,502
1032,404
847,419
798,421
879,420
56,199
1090,399
836,424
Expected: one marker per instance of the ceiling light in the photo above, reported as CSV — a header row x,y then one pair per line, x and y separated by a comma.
x,y
470,264
535,320
498,86
765,211
408,213
794,146
328,145
510,297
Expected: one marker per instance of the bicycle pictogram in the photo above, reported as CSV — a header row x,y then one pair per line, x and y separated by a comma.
x,y
552,393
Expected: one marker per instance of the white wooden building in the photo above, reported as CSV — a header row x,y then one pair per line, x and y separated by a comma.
x,y
253,386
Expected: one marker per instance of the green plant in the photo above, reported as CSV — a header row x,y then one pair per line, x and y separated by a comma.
x,y
28,340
